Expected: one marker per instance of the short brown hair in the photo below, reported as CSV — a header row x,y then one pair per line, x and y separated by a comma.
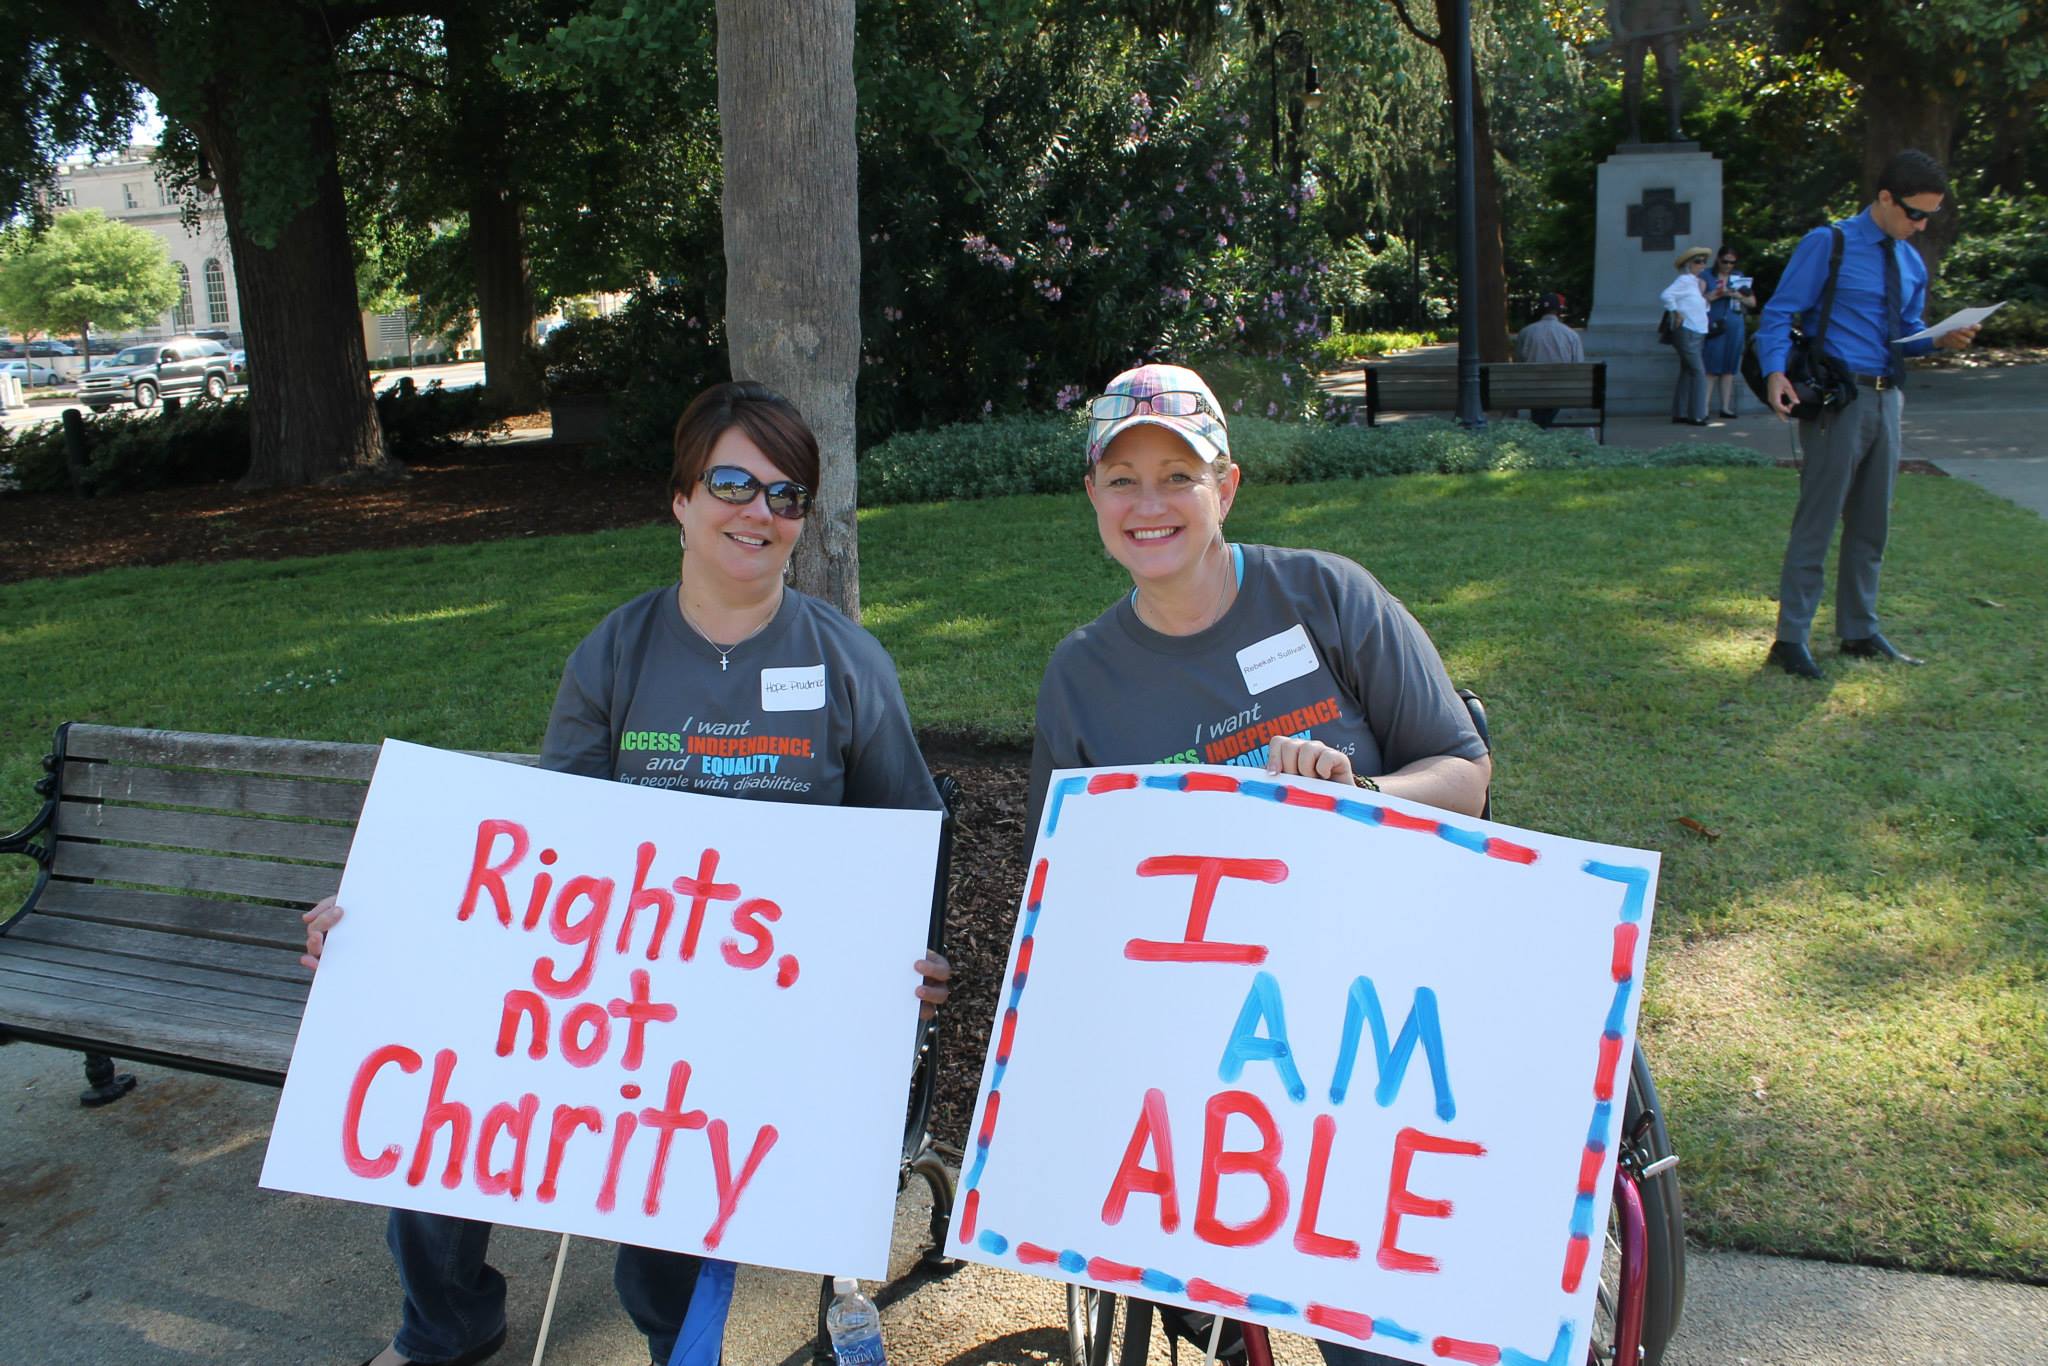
x,y
769,420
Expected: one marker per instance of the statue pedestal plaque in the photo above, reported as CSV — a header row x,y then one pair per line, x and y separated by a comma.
x,y
1655,200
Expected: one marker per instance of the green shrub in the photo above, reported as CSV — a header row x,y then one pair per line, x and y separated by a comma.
x,y
652,357
2001,254
1040,454
1340,347
206,442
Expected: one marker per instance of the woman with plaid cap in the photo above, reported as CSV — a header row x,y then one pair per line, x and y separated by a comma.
x,y
1291,661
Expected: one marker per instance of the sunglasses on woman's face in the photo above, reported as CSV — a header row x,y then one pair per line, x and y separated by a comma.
x,y
731,484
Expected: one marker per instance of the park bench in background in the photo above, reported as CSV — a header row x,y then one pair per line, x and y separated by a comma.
x,y
1411,388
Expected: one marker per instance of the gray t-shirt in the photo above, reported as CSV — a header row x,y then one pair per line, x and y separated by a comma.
x,y
1313,646
808,711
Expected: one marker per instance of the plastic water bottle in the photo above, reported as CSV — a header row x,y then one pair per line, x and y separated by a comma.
x,y
855,1325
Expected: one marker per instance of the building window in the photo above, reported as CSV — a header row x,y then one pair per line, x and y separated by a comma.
x,y
128,196
181,316
216,292
163,196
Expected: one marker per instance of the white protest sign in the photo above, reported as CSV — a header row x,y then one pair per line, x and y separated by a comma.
x,y
1346,1065
654,1017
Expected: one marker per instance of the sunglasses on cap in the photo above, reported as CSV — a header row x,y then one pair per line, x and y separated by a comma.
x,y
1171,403
731,484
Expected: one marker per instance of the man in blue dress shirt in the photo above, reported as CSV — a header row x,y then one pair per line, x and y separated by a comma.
x,y
1851,455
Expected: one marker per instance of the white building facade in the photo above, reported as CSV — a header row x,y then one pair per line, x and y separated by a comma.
x,y
126,188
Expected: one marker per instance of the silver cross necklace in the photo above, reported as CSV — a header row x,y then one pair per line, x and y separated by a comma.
x,y
725,651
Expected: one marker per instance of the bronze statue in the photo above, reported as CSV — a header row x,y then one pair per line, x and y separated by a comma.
x,y
1642,27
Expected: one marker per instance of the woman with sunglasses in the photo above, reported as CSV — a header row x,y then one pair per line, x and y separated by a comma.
x,y
1212,631
1728,297
807,709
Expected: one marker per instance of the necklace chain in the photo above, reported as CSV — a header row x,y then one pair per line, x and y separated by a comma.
x,y
725,651
1216,613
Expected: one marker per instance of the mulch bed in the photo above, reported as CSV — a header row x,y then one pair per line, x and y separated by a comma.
x,y
483,493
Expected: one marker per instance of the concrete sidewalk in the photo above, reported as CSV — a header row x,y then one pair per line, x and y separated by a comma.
x,y
1985,424
137,1236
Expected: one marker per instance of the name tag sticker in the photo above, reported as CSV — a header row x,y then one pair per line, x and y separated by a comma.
x,y
1277,659
793,689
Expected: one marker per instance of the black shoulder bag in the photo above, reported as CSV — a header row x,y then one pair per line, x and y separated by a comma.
x,y
1819,381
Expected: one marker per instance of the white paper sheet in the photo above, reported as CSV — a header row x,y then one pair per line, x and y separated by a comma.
x,y
1968,317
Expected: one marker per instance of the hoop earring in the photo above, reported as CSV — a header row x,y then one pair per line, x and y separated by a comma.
x,y
683,539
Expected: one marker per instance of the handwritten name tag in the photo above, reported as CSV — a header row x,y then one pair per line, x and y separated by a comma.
x,y
1277,659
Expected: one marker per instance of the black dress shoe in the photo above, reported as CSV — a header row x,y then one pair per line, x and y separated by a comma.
x,y
1874,646
1793,659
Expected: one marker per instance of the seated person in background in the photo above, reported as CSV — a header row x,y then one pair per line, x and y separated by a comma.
x,y
1546,339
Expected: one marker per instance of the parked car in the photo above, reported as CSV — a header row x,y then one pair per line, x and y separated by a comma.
x,y
239,359
51,348
30,373
143,374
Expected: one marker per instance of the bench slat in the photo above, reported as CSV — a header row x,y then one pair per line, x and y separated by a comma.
x,y
91,983
236,967
342,801
305,883
177,914
173,981
248,753
208,833
115,1022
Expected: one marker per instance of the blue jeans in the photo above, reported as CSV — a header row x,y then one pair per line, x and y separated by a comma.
x,y
455,1301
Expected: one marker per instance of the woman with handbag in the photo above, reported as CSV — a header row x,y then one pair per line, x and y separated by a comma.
x,y
1685,298
1728,299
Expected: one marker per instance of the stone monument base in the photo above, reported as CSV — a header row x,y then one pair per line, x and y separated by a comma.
x,y
1654,201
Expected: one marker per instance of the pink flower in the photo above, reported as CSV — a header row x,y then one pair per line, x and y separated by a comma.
x,y
1067,397
1221,240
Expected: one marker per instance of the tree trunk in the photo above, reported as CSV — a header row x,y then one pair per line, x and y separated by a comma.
x,y
1912,113
792,245
497,244
312,418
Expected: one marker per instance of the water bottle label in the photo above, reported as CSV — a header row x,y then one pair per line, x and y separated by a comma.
x,y
864,1351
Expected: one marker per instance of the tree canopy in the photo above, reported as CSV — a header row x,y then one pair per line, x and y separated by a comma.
x,y
83,270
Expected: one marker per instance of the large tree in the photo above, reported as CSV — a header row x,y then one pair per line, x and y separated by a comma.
x,y
84,269
792,244
245,86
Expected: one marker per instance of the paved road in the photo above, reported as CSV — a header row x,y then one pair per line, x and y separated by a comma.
x,y
451,376
137,1236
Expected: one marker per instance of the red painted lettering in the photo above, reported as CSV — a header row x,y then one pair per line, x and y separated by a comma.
x,y
702,890
1262,1162
729,1190
1154,1131
517,1121
568,1119
578,1050
663,901
1306,1238
580,931
670,1120
1208,873
622,1134
751,919
1402,1202
352,1114
485,875
638,1013
519,1002
441,1110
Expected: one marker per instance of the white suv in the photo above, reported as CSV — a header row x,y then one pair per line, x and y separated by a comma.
x,y
143,374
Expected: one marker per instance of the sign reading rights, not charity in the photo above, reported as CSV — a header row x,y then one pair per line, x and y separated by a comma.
x,y
1343,1064
645,1016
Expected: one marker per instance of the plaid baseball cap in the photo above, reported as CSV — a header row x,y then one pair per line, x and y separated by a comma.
x,y
1199,421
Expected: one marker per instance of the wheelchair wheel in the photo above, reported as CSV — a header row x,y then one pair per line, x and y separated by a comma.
x,y
1664,1230
1105,1329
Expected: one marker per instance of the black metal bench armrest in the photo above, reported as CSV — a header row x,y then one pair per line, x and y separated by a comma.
x,y
23,841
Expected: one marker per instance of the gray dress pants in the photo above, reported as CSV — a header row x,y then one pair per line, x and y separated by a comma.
x,y
1850,464
1689,397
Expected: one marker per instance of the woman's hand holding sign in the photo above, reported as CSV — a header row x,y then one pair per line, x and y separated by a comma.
x,y
324,916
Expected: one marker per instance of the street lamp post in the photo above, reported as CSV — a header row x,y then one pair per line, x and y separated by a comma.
x,y
1469,412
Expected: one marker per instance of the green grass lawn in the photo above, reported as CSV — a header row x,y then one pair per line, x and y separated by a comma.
x,y
1848,1000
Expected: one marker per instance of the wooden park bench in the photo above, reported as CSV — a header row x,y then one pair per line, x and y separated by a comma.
x,y
1410,388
